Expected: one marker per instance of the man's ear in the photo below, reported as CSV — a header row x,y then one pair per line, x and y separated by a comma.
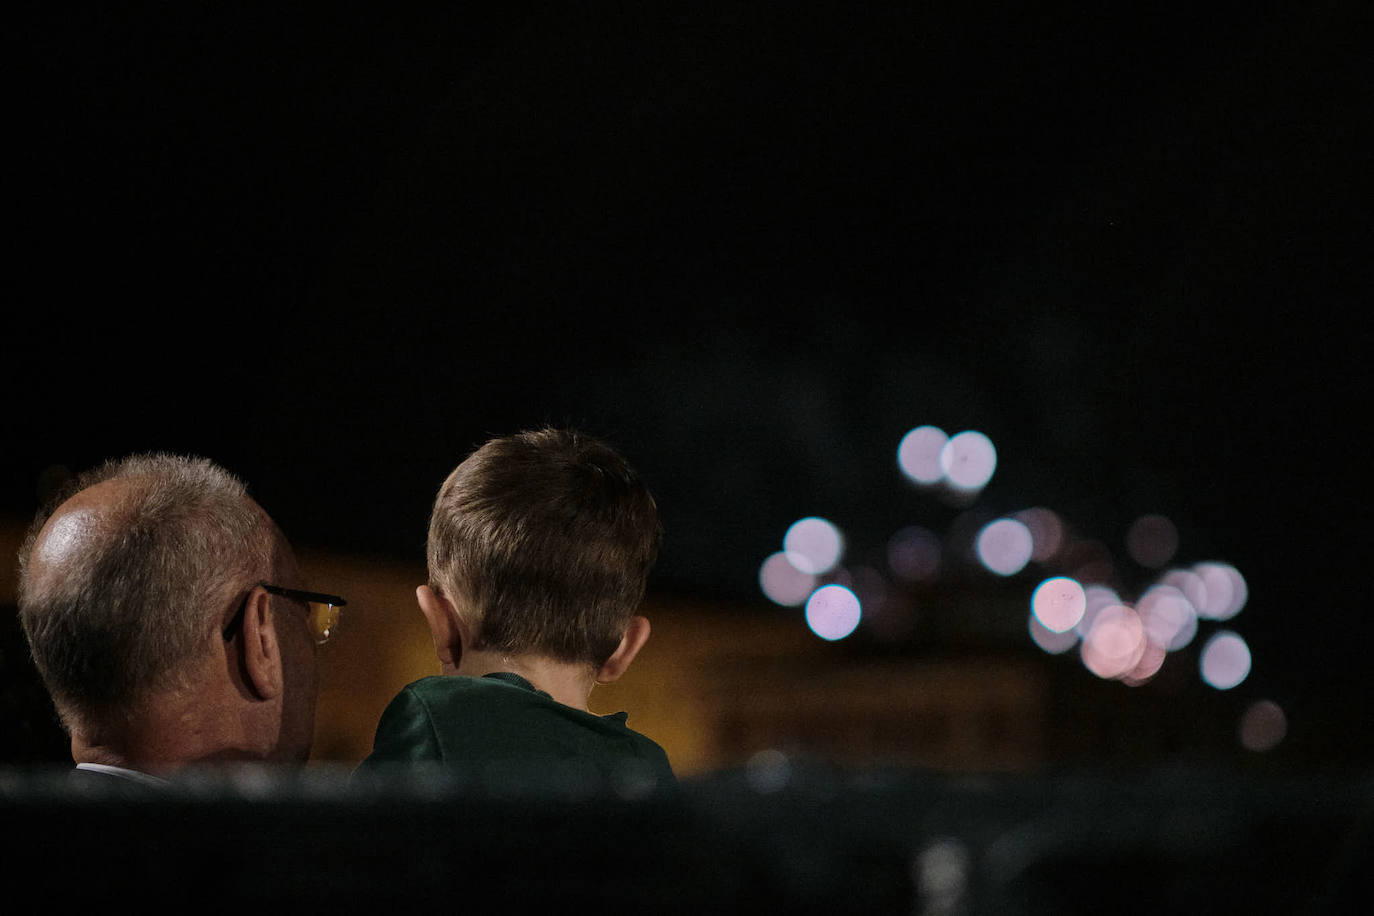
x,y
262,660
446,628
634,638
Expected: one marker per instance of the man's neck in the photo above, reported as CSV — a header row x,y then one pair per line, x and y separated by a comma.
x,y
121,757
171,731
570,683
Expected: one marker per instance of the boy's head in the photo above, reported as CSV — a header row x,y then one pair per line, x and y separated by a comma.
x,y
544,541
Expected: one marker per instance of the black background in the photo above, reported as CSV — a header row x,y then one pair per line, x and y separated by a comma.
x,y
751,246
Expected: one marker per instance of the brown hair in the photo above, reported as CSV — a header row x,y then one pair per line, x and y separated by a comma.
x,y
546,538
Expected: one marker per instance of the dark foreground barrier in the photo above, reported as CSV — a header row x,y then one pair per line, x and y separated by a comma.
x,y
777,837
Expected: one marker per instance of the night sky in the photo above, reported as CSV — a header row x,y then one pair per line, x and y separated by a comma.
x,y
750,247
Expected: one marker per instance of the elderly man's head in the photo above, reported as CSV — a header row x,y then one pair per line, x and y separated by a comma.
x,y
125,591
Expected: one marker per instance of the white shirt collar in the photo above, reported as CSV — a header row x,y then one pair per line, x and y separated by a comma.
x,y
124,773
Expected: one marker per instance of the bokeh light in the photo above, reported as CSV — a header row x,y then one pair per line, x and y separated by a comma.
x,y
813,545
1262,726
1058,603
833,612
768,771
913,554
918,454
1190,584
1052,642
1225,660
1224,590
1151,660
1046,529
1115,643
1004,546
942,871
783,583
1169,617
1096,598
1152,540
968,460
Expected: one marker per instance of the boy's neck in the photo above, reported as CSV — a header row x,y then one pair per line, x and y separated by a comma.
x,y
570,683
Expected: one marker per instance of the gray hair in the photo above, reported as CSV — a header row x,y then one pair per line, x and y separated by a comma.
x,y
125,613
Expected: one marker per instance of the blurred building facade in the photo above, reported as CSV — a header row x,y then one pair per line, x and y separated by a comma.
x,y
717,685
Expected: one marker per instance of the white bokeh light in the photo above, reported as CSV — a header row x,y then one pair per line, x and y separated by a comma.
x,y
1096,598
1225,660
1151,660
813,545
1116,642
833,612
1169,618
768,771
1004,546
1224,590
783,583
1052,642
918,454
1058,603
968,460
942,872
1191,585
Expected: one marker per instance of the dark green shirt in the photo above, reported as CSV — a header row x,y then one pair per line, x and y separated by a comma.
x,y
501,725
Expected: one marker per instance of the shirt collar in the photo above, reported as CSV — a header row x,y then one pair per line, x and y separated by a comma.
x,y
124,773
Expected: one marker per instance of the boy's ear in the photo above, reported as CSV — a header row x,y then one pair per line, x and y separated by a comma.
x,y
445,626
262,662
636,635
